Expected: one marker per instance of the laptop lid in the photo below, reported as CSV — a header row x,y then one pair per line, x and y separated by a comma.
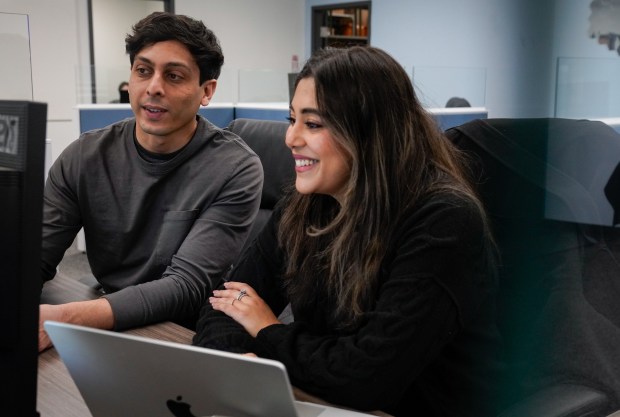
x,y
121,374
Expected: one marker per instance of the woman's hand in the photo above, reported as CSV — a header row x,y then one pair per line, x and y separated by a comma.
x,y
240,302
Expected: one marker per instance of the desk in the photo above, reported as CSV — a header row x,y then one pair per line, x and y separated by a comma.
x,y
57,394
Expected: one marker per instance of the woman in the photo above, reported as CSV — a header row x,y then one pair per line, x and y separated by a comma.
x,y
382,251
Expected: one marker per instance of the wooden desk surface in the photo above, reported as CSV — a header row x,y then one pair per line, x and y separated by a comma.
x,y
57,394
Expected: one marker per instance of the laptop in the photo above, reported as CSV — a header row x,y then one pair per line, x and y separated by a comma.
x,y
119,374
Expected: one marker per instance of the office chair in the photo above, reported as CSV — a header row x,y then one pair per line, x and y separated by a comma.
x,y
542,182
266,139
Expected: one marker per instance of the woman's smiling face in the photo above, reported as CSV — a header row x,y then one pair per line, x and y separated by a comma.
x,y
321,166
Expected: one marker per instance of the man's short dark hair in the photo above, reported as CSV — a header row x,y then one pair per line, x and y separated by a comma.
x,y
164,26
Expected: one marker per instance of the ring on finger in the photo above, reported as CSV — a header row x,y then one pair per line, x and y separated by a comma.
x,y
242,294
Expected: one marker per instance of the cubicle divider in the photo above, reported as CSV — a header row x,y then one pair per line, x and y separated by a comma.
x,y
94,116
445,117
262,111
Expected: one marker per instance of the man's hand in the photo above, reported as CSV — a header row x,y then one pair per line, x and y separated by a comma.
x,y
93,313
47,312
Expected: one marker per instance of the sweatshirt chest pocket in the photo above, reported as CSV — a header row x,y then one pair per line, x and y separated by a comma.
x,y
173,231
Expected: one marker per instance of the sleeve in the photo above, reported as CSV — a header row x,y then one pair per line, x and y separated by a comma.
x,y
211,246
61,214
435,269
261,267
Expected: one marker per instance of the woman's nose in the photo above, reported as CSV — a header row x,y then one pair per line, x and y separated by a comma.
x,y
293,137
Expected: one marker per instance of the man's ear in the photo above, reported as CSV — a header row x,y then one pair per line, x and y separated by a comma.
x,y
209,87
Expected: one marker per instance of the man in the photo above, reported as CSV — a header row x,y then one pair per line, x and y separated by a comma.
x,y
165,198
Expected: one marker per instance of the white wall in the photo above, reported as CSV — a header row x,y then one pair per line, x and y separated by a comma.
x,y
571,32
588,85
258,38
57,47
114,20
510,39
518,43
255,35
16,77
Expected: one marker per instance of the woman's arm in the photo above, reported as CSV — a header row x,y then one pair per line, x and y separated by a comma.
x,y
260,270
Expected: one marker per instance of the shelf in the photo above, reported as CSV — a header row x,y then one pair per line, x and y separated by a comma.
x,y
341,26
343,16
346,37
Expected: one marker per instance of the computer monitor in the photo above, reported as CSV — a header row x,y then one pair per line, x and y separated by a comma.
x,y
22,151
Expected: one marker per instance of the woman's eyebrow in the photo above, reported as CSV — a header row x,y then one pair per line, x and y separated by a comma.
x,y
308,110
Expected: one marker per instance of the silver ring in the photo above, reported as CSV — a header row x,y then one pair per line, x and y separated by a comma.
x,y
242,294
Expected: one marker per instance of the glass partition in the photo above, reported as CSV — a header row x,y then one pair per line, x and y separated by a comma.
x,y
85,88
263,86
109,22
587,88
15,71
434,86
106,89
226,91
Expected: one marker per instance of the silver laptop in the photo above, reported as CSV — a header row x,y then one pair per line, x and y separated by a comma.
x,y
119,374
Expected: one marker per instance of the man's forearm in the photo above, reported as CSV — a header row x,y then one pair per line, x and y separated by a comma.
x,y
92,313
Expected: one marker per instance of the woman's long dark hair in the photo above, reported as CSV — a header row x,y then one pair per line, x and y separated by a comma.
x,y
398,156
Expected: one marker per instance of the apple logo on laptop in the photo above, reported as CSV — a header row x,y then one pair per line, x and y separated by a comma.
x,y
179,408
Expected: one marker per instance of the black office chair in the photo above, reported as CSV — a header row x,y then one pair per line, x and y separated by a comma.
x,y
266,138
559,296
